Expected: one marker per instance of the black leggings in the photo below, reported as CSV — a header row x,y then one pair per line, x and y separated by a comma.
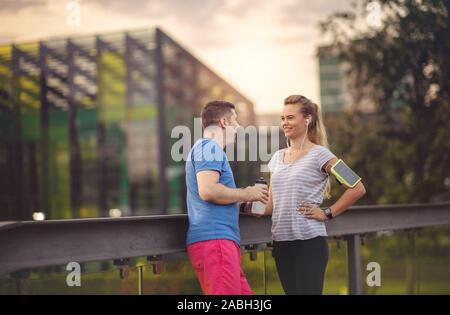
x,y
301,265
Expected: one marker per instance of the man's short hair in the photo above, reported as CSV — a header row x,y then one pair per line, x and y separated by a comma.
x,y
214,111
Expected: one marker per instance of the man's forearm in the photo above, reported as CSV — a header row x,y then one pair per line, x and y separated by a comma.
x,y
224,195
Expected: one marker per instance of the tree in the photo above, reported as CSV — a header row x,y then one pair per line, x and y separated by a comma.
x,y
402,149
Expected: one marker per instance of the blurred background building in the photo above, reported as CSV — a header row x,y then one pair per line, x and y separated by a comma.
x,y
333,93
85,124
336,95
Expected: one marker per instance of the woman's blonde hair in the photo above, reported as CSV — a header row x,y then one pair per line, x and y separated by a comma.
x,y
316,129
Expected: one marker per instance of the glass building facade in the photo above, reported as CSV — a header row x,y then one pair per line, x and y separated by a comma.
x,y
333,93
85,124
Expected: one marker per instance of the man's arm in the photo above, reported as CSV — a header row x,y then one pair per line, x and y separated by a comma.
x,y
211,190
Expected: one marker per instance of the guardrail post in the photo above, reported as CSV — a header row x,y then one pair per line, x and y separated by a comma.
x,y
124,267
253,251
156,262
22,280
354,264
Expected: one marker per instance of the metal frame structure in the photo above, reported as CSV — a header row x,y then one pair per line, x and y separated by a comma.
x,y
25,245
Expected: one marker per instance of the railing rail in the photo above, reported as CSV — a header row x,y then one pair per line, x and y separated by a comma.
x,y
31,244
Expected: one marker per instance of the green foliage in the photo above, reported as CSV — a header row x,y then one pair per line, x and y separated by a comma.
x,y
402,69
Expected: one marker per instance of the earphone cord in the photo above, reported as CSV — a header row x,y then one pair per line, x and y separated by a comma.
x,y
301,146
304,137
288,144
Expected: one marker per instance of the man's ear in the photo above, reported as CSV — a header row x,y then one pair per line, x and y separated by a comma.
x,y
222,123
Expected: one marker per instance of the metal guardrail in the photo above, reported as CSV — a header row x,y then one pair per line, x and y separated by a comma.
x,y
31,244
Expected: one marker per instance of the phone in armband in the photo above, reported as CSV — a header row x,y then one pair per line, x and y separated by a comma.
x,y
344,174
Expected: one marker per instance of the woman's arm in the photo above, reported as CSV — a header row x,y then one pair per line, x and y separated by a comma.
x,y
348,198
269,205
350,195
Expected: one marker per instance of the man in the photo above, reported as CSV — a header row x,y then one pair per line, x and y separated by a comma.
x,y
213,237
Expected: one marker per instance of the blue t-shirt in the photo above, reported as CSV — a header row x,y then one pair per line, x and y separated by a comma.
x,y
208,221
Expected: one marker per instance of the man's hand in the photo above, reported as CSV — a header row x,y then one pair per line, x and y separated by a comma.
x,y
257,193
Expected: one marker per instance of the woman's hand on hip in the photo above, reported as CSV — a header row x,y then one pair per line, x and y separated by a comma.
x,y
312,212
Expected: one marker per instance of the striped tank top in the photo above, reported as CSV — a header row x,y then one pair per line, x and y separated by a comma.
x,y
292,183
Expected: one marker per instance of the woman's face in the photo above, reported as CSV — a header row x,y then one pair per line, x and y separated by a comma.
x,y
293,122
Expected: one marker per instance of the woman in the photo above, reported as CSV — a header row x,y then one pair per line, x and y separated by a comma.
x,y
299,181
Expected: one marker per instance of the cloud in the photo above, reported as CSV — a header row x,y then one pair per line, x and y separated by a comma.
x,y
207,23
240,9
297,13
300,20
16,6
197,12
293,39
259,46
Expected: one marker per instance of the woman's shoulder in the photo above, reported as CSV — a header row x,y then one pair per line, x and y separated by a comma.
x,y
322,149
278,153
324,154
275,159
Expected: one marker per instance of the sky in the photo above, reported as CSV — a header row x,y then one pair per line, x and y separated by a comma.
x,y
264,48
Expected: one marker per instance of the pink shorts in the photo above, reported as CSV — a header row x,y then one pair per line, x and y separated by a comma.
x,y
217,264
